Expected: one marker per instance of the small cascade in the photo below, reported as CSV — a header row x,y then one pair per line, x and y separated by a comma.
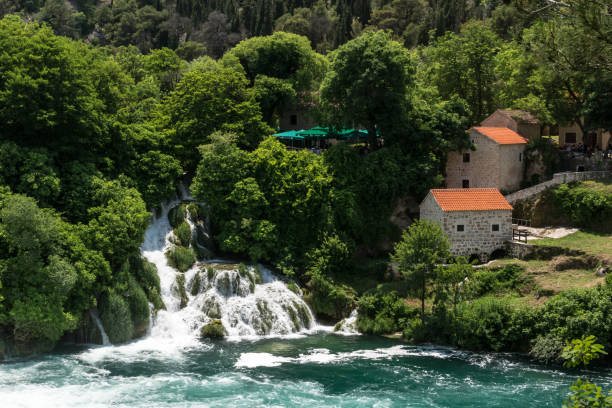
x,y
348,325
248,301
96,319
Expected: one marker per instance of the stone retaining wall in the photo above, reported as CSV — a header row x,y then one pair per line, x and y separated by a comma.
x,y
558,178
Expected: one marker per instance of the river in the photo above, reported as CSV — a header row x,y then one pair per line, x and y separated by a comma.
x,y
312,370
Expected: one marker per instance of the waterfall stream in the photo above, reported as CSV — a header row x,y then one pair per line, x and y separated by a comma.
x,y
249,301
96,319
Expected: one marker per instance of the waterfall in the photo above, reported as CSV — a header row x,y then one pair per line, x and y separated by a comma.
x,y
96,319
348,326
249,301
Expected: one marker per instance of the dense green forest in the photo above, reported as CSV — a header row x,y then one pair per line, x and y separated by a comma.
x,y
106,106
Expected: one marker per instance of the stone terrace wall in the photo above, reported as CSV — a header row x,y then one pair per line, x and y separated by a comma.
x,y
558,178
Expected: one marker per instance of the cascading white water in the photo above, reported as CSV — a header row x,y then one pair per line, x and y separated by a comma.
x,y
246,307
348,326
94,316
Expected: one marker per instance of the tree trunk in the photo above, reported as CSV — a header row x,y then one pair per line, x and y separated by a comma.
x,y
372,136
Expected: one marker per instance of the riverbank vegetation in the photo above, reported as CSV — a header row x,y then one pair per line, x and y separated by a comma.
x,y
105,107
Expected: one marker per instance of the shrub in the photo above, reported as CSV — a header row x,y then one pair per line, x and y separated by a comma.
x,y
575,313
180,290
547,348
181,258
177,215
213,330
116,318
195,286
586,207
146,274
491,324
183,234
509,278
325,297
139,307
383,313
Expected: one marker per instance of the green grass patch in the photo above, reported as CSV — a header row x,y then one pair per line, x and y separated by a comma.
x,y
590,242
183,234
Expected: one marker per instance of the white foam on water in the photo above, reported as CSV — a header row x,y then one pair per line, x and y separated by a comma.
x,y
324,356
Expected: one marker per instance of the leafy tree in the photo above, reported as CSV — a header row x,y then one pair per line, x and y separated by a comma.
x,y
422,247
368,84
191,50
407,19
204,102
452,281
462,65
47,97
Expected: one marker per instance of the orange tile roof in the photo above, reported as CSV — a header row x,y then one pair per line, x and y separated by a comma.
x,y
501,135
470,199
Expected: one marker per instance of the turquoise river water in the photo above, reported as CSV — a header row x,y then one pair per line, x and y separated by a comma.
x,y
312,370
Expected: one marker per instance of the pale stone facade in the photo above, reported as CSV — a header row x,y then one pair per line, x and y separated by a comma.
x,y
521,122
478,236
490,165
295,118
573,135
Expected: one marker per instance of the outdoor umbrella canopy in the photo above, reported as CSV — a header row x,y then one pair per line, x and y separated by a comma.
x,y
315,133
291,134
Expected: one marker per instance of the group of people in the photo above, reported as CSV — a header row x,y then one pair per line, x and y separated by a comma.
x,y
587,151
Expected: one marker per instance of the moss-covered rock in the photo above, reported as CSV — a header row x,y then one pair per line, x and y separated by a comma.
x,y
180,290
212,308
139,307
202,252
197,211
146,274
116,318
177,215
195,285
181,258
182,234
213,330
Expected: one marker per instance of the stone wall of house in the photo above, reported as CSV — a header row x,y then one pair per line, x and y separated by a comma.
x,y
302,117
478,236
511,166
558,178
483,170
529,130
498,119
430,210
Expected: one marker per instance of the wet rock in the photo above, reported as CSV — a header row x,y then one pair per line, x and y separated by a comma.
x,y
213,330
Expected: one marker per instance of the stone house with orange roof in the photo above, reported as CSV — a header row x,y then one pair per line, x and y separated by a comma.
x,y
521,121
477,221
497,161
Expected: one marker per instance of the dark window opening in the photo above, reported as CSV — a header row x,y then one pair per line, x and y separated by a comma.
x,y
495,227
460,228
466,157
466,183
293,119
570,137
520,156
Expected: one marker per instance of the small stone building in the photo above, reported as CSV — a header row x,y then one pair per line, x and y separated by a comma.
x,y
498,160
522,122
572,135
477,221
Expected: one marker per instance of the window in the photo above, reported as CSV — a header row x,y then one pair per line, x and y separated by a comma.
x,y
460,227
466,183
520,157
293,119
570,137
495,227
466,157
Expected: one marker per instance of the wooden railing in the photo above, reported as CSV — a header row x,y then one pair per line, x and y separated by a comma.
x,y
519,235
521,223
